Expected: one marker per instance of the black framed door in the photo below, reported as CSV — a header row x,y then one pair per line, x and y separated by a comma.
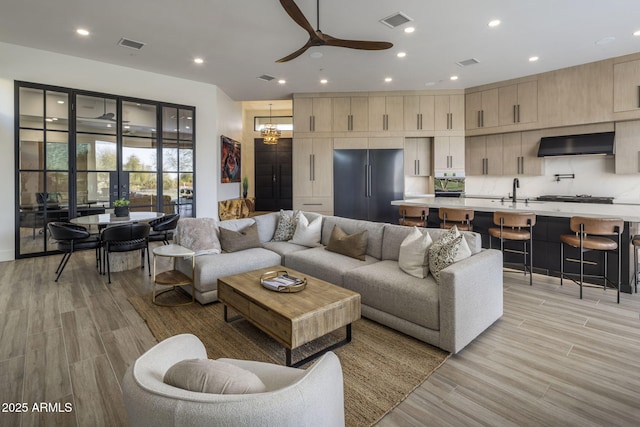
x,y
273,175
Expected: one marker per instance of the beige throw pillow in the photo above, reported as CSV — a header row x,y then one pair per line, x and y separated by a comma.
x,y
213,376
234,241
351,245
414,254
451,248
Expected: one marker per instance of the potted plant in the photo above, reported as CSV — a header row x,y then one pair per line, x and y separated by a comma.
x,y
121,207
245,186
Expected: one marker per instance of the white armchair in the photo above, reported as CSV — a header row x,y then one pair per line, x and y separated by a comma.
x,y
294,397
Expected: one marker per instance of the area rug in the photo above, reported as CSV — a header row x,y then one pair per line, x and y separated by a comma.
x,y
380,366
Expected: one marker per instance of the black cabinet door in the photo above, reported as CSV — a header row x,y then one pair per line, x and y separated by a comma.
x,y
273,175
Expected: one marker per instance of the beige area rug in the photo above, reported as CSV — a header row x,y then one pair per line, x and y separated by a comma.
x,y
380,366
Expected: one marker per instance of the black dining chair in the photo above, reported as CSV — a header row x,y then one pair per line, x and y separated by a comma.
x,y
162,228
125,238
70,238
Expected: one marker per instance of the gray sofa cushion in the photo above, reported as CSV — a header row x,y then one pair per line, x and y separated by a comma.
x,y
351,226
395,234
266,225
386,287
283,248
324,264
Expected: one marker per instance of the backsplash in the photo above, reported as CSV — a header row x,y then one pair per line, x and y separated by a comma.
x,y
594,175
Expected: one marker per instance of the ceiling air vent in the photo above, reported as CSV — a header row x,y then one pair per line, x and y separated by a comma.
x,y
468,62
131,44
396,20
266,77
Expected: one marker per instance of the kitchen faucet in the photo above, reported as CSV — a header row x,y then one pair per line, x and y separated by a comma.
x,y
516,184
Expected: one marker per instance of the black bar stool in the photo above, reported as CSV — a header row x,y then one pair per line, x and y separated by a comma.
x,y
635,241
413,215
516,226
588,236
456,216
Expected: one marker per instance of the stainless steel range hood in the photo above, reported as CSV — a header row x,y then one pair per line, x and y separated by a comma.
x,y
571,145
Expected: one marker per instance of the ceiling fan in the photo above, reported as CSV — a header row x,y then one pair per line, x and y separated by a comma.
x,y
105,116
318,38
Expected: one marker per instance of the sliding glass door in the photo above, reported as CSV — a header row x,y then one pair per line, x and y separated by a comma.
x,y
77,152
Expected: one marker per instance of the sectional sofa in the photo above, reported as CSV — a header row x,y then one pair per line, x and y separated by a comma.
x,y
448,315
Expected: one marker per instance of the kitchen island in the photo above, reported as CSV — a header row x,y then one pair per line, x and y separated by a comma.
x,y
552,221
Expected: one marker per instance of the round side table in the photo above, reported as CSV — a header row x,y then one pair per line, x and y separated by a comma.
x,y
172,278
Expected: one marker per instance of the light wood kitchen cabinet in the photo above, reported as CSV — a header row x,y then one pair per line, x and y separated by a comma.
x,y
481,109
627,157
417,156
520,153
518,103
626,86
351,114
312,114
312,168
419,112
449,112
448,154
386,113
483,155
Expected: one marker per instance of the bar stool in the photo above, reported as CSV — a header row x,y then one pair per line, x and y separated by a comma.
x,y
588,236
517,226
413,215
456,216
635,241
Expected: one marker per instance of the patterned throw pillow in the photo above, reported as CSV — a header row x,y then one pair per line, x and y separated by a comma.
x,y
286,226
452,247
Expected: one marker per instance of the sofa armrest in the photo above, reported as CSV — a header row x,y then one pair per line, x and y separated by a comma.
x,y
470,293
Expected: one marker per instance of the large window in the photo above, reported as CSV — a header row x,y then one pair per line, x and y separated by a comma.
x,y
78,151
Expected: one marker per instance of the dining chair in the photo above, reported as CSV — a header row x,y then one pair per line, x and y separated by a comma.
x,y
125,238
162,228
70,238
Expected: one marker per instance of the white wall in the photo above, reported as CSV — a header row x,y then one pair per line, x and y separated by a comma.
x,y
216,113
594,175
230,117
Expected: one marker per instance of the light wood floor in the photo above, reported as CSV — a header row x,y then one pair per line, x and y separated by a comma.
x,y
552,359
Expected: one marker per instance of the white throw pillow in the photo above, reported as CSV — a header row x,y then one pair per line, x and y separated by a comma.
x,y
307,233
414,254
213,376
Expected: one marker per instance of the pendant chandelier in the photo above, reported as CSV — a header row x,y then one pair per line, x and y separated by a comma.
x,y
270,132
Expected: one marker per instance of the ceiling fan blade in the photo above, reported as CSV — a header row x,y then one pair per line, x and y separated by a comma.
x,y
297,52
296,14
356,44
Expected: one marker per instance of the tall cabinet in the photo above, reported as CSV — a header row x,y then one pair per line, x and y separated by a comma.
x,y
313,175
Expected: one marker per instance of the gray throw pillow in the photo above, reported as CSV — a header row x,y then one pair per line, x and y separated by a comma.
x,y
213,376
351,245
234,241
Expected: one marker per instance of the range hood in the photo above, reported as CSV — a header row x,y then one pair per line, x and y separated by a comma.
x,y
592,143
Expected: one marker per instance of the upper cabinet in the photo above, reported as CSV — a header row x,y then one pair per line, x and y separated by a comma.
x,y
626,86
520,154
312,114
386,113
351,113
448,154
481,109
518,103
417,156
419,112
483,155
627,158
449,112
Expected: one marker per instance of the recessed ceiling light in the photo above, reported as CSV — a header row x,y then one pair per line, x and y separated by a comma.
x,y
108,125
198,60
127,127
388,79
494,23
637,33
189,118
453,78
82,32
324,81
316,55
187,127
282,81
533,59
54,118
409,30
401,54
48,120
60,102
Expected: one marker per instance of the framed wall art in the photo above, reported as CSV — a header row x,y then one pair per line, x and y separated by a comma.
x,y
231,151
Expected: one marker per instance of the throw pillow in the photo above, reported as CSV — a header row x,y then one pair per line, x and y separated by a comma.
x,y
213,376
198,234
451,248
307,233
351,245
286,226
233,241
414,254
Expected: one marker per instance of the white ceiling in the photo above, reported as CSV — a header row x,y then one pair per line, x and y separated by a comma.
x,y
241,39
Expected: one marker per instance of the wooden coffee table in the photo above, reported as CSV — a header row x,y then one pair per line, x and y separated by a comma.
x,y
292,319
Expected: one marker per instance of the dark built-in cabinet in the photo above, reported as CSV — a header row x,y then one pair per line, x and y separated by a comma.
x,y
273,175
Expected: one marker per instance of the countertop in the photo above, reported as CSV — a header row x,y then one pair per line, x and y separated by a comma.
x,y
630,213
